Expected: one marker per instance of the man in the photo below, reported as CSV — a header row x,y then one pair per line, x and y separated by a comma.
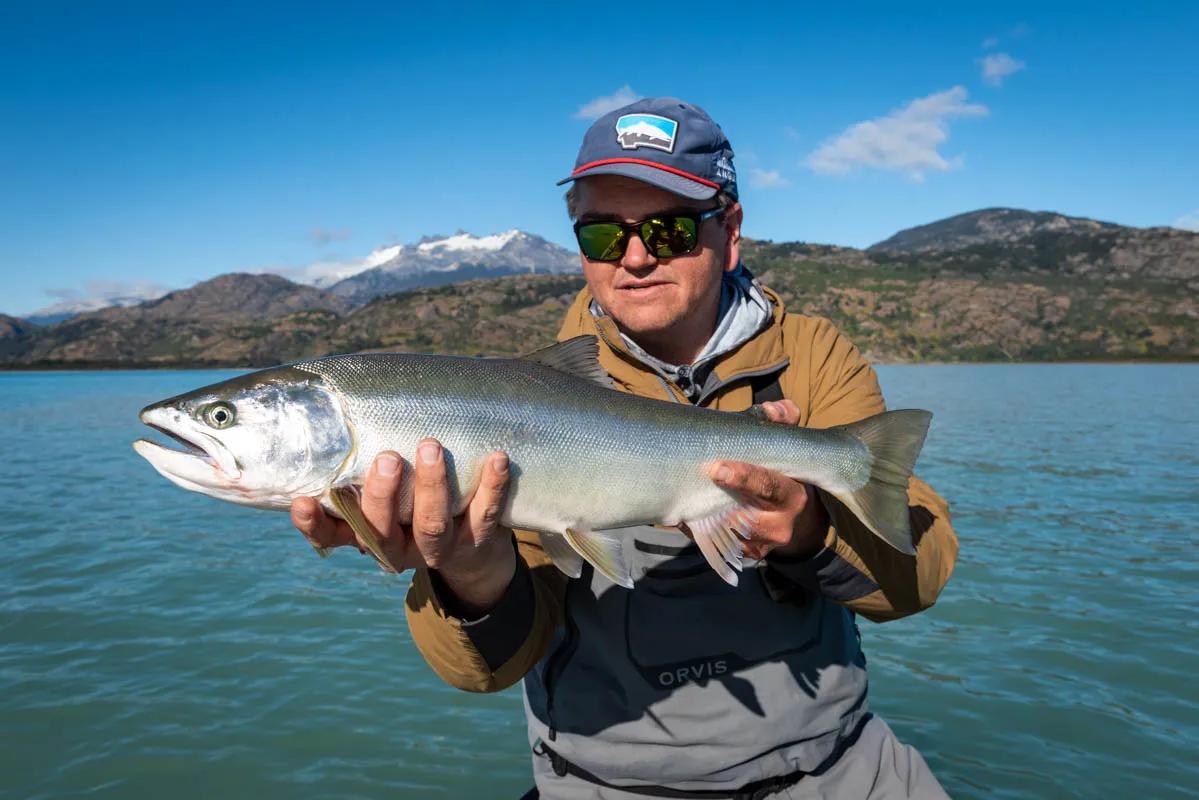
x,y
683,686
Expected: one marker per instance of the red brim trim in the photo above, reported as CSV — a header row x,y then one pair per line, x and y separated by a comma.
x,y
578,171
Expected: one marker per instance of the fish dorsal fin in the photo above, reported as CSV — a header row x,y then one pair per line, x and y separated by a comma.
x,y
578,356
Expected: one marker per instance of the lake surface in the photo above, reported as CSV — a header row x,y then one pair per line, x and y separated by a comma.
x,y
156,643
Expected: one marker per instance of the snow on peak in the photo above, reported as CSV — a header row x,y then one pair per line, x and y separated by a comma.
x,y
465,241
380,256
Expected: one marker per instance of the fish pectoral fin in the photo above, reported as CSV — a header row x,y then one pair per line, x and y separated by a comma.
x,y
603,550
345,500
562,554
719,538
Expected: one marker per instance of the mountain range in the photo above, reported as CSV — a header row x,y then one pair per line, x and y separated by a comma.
x,y
438,260
432,261
994,284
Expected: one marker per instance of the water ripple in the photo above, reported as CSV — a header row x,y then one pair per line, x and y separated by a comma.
x,y
157,643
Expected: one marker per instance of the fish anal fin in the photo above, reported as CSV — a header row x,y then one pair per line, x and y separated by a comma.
x,y
603,550
578,356
345,500
562,554
719,538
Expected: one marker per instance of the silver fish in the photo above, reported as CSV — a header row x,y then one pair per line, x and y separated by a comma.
x,y
585,460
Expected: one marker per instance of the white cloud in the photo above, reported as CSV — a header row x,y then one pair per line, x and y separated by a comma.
x,y
998,66
602,105
767,179
324,236
99,294
110,290
1188,222
906,140
989,42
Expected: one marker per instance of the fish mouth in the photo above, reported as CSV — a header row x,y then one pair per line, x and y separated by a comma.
x,y
200,459
190,448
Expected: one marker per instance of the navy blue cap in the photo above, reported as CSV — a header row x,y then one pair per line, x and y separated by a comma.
x,y
663,141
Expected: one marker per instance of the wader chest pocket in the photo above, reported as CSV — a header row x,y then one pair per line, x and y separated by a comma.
x,y
683,624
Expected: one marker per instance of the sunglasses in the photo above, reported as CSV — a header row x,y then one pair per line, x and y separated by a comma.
x,y
665,236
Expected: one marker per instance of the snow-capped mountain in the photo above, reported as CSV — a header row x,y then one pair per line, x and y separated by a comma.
x,y
436,260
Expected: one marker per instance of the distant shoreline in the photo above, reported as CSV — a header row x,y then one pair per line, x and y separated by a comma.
x,y
192,367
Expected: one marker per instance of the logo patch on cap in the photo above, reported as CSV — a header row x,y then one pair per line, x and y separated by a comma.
x,y
646,130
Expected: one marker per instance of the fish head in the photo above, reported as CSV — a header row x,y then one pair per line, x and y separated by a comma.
x,y
259,439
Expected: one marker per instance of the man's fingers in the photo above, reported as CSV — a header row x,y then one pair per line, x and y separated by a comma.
x,y
764,485
312,521
781,411
488,502
431,522
379,492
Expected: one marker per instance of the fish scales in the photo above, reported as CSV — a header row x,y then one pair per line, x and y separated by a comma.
x,y
584,459
648,454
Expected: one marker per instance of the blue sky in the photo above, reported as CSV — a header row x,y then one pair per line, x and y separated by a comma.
x,y
166,143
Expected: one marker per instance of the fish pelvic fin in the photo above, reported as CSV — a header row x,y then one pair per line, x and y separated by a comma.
x,y
719,538
894,439
562,554
603,550
578,356
345,500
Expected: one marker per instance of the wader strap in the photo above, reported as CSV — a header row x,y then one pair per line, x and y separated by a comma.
x,y
757,790
766,388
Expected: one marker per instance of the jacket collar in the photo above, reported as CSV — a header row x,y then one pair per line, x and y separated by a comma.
x,y
760,354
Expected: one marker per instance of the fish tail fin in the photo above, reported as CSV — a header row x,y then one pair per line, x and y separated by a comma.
x,y
894,439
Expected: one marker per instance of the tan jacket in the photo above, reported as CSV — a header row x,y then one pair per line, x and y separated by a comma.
x,y
830,381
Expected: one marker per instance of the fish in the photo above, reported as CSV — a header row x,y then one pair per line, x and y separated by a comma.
x,y
585,460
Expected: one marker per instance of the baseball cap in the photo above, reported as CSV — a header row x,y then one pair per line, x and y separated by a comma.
x,y
663,141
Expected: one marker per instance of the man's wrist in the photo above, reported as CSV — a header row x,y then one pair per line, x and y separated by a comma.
x,y
810,533
476,587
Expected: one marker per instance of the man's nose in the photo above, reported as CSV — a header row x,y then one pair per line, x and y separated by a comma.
x,y
637,255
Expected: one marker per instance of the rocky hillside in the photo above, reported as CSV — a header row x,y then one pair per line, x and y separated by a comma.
x,y
236,295
1012,240
14,335
978,300
987,226
933,309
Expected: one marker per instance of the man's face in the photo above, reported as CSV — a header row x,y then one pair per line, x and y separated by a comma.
x,y
649,296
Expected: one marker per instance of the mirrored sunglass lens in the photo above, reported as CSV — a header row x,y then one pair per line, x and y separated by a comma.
x,y
601,241
669,236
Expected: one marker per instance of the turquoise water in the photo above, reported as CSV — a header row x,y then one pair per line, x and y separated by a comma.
x,y
158,643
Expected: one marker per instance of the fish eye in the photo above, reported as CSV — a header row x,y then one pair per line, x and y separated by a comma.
x,y
219,415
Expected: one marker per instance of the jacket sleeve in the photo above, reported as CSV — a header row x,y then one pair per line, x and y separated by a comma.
x,y
491,653
856,567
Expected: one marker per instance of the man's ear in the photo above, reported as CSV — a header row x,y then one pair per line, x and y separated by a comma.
x,y
732,229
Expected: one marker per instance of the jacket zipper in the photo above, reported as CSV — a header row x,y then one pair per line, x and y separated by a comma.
x,y
557,661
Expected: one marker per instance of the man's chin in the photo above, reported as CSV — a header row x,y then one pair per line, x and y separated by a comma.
x,y
650,323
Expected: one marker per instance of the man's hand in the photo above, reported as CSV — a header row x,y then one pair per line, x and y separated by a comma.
x,y
791,520
472,553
